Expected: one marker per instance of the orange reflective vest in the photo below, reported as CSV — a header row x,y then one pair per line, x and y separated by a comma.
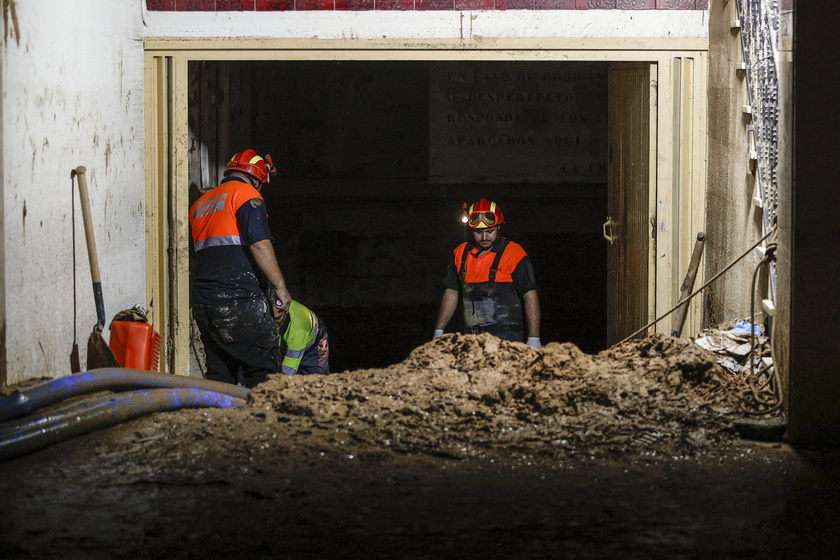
x,y
478,268
213,215
490,300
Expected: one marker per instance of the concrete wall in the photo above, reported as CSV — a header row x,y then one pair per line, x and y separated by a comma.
x,y
736,223
72,76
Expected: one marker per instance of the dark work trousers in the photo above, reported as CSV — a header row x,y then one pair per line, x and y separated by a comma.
x,y
316,359
240,340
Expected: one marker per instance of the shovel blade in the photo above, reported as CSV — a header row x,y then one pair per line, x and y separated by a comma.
x,y
99,355
75,363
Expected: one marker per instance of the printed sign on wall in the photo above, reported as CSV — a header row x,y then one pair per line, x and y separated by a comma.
x,y
519,122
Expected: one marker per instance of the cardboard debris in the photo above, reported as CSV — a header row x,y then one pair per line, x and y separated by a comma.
x,y
734,346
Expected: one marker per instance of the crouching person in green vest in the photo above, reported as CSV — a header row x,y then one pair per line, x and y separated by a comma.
x,y
304,340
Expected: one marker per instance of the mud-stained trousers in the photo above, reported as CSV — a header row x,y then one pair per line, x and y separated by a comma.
x,y
240,340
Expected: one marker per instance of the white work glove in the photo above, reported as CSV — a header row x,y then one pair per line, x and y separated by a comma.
x,y
534,342
438,333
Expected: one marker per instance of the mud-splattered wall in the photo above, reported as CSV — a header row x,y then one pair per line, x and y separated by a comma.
x,y
72,79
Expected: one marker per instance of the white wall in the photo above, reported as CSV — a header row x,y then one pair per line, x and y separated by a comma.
x,y
430,24
72,76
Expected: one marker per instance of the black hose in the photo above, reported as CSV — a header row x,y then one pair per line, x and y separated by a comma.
x,y
102,412
24,401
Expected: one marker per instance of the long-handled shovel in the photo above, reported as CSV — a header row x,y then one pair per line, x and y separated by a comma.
x,y
99,354
75,364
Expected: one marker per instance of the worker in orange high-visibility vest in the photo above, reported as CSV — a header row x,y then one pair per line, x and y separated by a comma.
x,y
495,279
233,244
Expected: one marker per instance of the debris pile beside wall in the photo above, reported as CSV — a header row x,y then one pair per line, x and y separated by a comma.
x,y
734,346
744,350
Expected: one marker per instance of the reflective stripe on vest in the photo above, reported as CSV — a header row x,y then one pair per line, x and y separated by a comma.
x,y
295,353
213,216
299,336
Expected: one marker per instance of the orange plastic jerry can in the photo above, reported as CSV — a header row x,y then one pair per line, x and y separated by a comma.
x,y
135,345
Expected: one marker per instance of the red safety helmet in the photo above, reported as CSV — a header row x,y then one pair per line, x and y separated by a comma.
x,y
484,214
251,163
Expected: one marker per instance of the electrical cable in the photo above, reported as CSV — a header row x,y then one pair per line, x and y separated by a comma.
x,y
770,398
698,290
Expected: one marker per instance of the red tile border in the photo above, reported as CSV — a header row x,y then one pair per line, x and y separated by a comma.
x,y
675,4
235,5
161,5
355,5
275,5
555,5
195,5
304,5
635,4
434,4
595,4
515,4
409,5
475,4
394,5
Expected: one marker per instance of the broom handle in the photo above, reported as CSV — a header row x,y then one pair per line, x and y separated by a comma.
x,y
91,246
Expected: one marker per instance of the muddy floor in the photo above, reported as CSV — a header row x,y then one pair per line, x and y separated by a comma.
x,y
471,448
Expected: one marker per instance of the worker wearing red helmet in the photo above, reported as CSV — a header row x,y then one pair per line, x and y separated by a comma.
x,y
495,279
233,243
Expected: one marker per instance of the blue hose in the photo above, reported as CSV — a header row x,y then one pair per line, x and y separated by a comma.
x,y
102,412
24,401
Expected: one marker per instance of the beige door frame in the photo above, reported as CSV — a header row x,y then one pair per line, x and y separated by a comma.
x,y
678,147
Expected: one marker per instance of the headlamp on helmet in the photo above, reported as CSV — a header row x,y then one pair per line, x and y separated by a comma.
x,y
464,217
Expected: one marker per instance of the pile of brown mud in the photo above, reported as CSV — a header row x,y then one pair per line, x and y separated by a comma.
x,y
478,396
471,447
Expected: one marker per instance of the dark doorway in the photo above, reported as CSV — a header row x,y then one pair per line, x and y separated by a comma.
x,y
375,160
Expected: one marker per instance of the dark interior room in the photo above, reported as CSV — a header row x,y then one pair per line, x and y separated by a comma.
x,y
375,161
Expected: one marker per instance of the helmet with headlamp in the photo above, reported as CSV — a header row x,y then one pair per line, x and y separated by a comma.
x,y
484,214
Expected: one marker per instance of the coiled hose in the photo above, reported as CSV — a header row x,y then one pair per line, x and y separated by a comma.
x,y
158,393
24,401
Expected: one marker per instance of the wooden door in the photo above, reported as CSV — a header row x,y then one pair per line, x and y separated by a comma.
x,y
627,229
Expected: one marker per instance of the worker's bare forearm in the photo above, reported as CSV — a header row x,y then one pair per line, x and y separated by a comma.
x,y
263,252
532,313
448,305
